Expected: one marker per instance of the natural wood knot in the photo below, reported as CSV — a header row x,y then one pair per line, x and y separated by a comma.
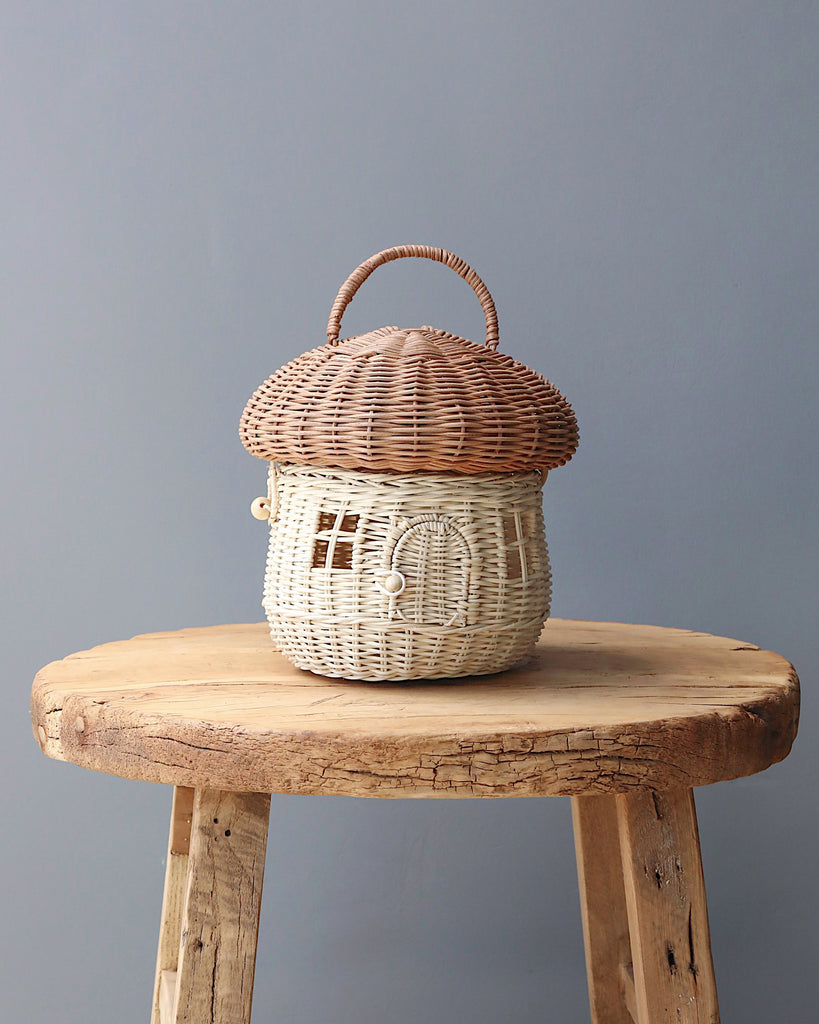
x,y
79,723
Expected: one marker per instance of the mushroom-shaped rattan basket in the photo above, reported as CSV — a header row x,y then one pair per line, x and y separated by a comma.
x,y
404,499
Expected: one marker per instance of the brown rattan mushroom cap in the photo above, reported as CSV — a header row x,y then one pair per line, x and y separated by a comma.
x,y
410,401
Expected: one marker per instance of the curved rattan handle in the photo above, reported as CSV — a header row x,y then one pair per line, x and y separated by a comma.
x,y
360,275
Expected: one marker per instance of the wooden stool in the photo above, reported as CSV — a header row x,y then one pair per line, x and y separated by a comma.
x,y
623,719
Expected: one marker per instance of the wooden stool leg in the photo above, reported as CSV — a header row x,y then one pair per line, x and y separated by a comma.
x,y
220,921
212,916
176,871
665,898
603,907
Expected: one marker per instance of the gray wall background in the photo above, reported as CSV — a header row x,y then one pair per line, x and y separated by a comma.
x,y
184,187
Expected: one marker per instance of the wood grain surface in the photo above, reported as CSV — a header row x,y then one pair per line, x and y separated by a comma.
x,y
667,914
173,904
603,909
220,919
600,708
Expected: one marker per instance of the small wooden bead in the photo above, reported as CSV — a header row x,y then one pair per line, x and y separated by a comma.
x,y
260,508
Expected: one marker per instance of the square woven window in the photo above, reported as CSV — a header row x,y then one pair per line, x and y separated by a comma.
x,y
510,532
514,569
349,523
333,548
514,546
343,554
320,554
326,521
528,522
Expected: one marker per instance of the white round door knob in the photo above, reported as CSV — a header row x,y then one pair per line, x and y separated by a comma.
x,y
394,582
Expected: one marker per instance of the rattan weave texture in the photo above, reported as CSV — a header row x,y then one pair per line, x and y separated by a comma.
x,y
410,400
384,576
346,293
420,400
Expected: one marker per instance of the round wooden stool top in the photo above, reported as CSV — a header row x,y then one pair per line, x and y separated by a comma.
x,y
600,707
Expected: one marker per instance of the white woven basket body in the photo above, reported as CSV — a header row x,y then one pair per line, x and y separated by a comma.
x,y
377,576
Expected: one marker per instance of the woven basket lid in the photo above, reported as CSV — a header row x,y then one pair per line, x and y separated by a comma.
x,y
410,400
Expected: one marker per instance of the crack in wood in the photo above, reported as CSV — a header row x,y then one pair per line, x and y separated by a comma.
x,y
673,715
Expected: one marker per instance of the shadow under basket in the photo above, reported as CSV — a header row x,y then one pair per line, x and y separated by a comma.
x,y
377,576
